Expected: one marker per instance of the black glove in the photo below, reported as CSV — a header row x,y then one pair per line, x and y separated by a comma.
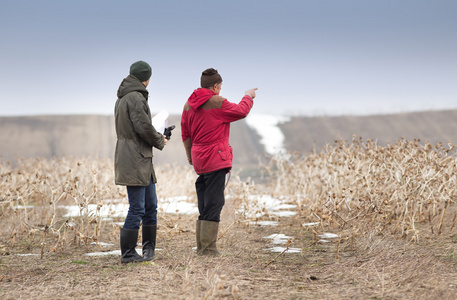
x,y
167,132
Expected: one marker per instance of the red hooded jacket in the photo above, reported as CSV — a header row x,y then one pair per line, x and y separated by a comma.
x,y
205,129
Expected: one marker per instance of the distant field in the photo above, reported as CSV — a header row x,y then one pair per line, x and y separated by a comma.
x,y
305,134
94,135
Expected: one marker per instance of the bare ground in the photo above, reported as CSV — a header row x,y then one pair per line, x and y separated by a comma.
x,y
375,267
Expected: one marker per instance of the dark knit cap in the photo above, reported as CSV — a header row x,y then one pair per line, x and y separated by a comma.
x,y
209,78
141,70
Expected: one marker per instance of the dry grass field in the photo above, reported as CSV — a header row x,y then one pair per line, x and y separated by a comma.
x,y
391,210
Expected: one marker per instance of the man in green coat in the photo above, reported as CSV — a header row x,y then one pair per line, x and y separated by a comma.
x,y
133,166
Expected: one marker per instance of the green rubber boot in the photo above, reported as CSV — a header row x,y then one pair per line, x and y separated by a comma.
x,y
208,238
197,235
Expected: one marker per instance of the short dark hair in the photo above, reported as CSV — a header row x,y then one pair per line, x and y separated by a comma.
x,y
209,78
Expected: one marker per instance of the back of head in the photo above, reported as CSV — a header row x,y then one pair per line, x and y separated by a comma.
x,y
209,78
141,70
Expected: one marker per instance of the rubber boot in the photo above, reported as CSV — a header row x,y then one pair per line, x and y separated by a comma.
x,y
129,239
197,235
149,241
208,237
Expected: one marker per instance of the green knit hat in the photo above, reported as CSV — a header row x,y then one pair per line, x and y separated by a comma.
x,y
141,70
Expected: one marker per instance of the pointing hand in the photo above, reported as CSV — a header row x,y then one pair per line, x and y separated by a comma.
x,y
251,92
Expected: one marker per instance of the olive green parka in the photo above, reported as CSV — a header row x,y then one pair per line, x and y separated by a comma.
x,y
136,136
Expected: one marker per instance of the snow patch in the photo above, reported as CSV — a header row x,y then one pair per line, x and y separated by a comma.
x,y
115,252
102,244
264,223
174,205
328,236
310,224
282,249
270,135
258,205
278,239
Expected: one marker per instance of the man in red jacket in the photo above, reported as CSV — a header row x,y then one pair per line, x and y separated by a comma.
x,y
205,127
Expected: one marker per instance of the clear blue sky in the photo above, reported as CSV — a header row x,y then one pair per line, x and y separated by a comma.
x,y
306,57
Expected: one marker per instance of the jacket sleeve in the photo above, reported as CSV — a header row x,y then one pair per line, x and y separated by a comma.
x,y
232,112
185,134
138,111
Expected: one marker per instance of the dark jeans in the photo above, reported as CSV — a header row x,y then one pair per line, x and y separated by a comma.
x,y
210,193
143,206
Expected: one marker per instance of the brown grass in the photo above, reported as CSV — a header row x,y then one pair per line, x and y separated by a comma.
x,y
392,207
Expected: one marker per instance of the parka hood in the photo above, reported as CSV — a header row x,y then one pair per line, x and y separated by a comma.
x,y
131,84
199,97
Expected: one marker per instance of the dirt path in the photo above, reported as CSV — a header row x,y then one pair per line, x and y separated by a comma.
x,y
373,268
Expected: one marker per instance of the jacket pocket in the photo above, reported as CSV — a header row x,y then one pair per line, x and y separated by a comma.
x,y
145,150
222,150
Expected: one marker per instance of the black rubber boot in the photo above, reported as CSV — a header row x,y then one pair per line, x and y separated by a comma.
x,y
129,238
197,235
208,238
149,241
